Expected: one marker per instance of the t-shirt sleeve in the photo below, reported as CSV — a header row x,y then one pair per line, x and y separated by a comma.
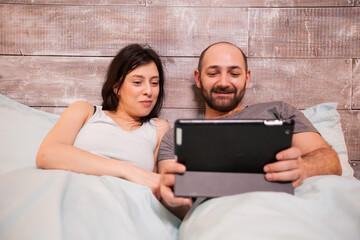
x,y
302,124
166,149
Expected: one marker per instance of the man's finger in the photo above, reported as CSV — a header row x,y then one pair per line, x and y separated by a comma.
x,y
283,176
169,198
290,153
173,167
280,166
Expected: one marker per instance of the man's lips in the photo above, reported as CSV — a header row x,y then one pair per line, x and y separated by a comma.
x,y
222,93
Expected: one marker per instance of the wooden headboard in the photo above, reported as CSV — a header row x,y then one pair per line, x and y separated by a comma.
x,y
55,52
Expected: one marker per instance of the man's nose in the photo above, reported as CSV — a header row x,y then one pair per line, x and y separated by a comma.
x,y
224,80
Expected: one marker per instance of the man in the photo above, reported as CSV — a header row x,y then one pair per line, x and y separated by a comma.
x,y
223,76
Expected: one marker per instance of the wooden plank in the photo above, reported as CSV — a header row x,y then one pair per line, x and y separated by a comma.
x,y
59,81
52,81
77,2
350,121
101,31
301,82
304,32
172,114
356,84
251,3
356,166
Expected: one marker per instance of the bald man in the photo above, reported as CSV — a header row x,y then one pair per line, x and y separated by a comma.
x,y
223,76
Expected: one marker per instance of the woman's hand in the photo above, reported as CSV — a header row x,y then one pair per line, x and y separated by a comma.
x,y
145,178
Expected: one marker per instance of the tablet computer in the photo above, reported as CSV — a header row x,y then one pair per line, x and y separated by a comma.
x,y
227,156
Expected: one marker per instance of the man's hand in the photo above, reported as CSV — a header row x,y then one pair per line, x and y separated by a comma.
x,y
289,167
179,206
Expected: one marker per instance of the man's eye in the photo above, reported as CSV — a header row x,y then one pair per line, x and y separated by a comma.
x,y
235,74
212,73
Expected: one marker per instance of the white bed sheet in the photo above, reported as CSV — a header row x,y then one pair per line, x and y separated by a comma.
x,y
324,207
55,204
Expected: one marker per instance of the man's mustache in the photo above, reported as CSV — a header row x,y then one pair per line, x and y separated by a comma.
x,y
223,90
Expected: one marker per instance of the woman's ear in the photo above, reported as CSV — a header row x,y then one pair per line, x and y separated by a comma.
x,y
116,89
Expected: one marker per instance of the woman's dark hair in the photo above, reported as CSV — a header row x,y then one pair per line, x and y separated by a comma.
x,y
129,58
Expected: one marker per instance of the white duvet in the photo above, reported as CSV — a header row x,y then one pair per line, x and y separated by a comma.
x,y
324,207
55,204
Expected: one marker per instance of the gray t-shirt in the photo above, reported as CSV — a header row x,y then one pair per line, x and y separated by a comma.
x,y
267,111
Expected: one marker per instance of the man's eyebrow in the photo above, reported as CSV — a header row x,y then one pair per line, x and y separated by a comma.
x,y
230,67
213,66
234,67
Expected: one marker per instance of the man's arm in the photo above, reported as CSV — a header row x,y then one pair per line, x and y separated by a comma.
x,y
309,155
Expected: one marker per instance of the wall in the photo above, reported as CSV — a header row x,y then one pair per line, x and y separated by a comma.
x,y
304,52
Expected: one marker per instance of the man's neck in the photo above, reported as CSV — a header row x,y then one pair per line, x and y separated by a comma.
x,y
213,114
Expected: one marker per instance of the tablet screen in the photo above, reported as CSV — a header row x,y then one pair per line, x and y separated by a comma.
x,y
243,146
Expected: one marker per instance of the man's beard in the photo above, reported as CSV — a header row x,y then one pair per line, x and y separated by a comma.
x,y
221,105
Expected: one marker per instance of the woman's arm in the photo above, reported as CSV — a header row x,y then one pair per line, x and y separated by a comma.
x,y
57,151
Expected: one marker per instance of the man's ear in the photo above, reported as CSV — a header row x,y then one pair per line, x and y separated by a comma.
x,y
247,81
197,78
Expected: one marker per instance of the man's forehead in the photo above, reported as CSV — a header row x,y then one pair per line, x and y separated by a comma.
x,y
224,55
223,66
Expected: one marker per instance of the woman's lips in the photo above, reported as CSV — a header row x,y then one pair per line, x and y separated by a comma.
x,y
146,103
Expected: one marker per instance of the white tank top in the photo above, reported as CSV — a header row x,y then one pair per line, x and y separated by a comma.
x,y
102,136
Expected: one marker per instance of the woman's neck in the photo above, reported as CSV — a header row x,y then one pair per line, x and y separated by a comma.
x,y
124,120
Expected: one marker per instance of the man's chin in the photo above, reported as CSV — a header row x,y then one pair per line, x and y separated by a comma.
x,y
223,106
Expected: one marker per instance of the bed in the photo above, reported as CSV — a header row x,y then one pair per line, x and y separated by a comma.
x,y
56,204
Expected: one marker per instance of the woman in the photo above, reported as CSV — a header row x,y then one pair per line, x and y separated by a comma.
x,y
92,140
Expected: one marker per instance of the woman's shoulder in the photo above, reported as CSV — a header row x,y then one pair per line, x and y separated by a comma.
x,y
161,125
80,108
81,104
160,122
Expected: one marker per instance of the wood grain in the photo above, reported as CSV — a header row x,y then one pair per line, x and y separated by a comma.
x,y
251,3
356,166
350,121
52,81
301,82
77,2
304,32
59,81
101,31
356,84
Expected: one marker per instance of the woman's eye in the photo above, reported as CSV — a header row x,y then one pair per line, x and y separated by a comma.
x,y
136,82
154,83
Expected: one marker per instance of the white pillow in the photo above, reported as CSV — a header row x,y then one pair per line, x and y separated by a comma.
x,y
22,130
326,120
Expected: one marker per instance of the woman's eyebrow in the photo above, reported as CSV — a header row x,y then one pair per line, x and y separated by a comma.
x,y
137,76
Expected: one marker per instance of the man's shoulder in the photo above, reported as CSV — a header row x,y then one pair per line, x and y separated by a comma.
x,y
279,104
268,110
